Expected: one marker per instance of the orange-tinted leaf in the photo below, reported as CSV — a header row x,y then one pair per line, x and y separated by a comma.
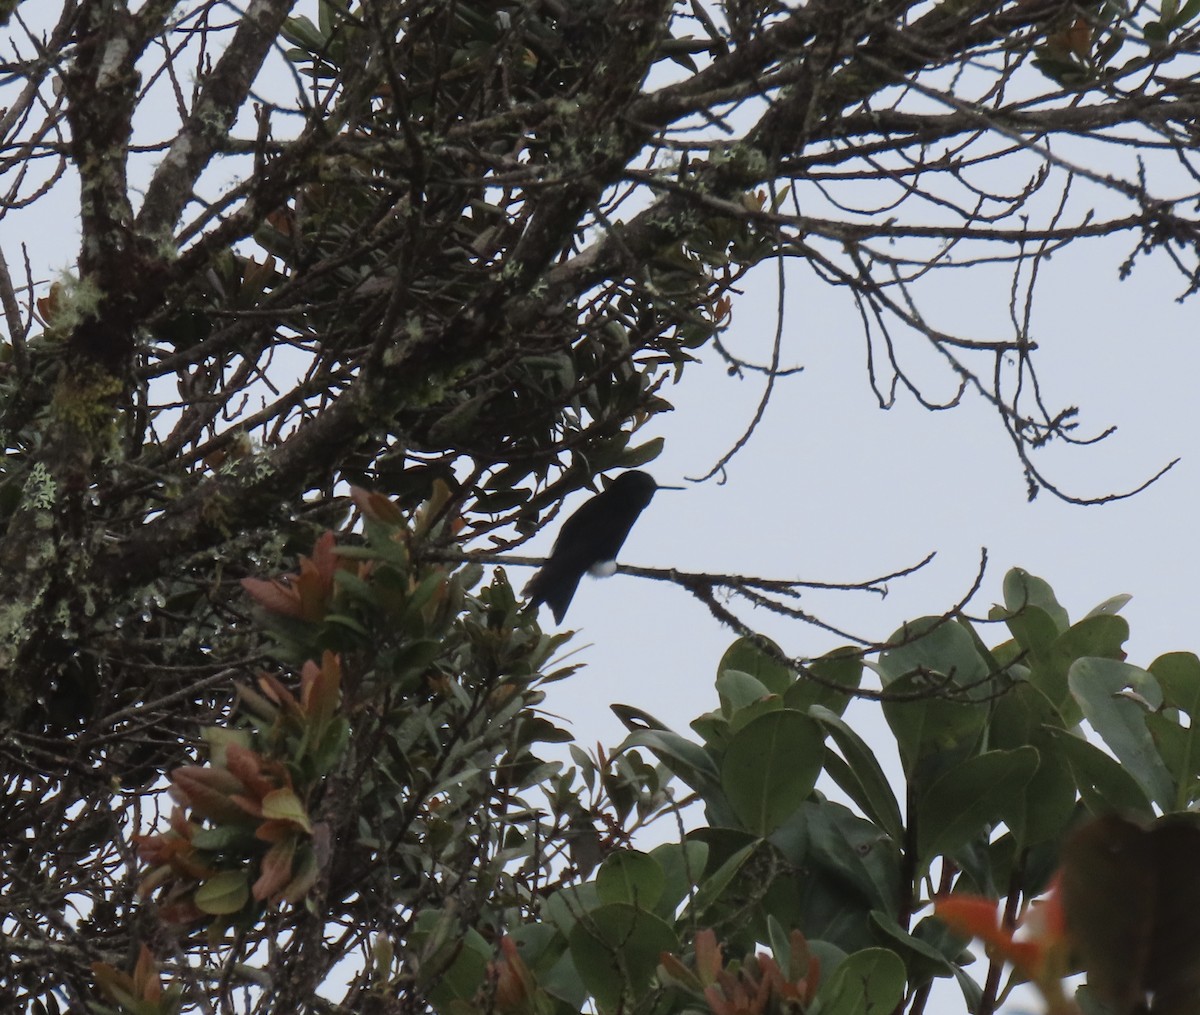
x,y
678,972
708,956
258,775
273,688
376,506
274,596
314,591
281,220
207,791
320,687
276,870
514,983
116,985
1079,38
325,556
970,915
146,984
49,305
306,876
284,805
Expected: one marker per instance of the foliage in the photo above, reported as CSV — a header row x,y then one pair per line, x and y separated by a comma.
x,y
397,793
453,253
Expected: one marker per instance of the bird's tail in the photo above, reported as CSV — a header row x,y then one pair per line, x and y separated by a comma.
x,y
554,587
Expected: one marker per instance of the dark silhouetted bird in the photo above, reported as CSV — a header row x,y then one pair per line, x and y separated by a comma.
x,y
590,539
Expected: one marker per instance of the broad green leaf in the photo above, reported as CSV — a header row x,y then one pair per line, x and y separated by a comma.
x,y
1101,636
643,454
1103,784
689,761
1033,629
1114,604
563,983
1179,748
869,982
616,950
1100,687
1021,590
453,961
1018,713
738,690
928,728
937,669
921,959
770,768
540,944
827,906
1178,676
1047,806
223,893
222,837
745,715
857,851
566,906
968,798
843,668
867,784
713,886
1018,719
632,877
683,865
744,655
933,645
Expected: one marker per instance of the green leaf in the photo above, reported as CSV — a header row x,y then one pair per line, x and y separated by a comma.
x,y
643,454
1032,629
567,905
960,805
1178,676
770,768
857,851
1023,590
713,886
1099,686
223,893
1047,806
452,960
1114,604
869,982
863,779
630,876
842,667
689,761
746,656
302,32
926,727
1017,714
937,663
738,690
1101,636
616,950
921,959
682,864
1179,748
284,805
936,646
1103,784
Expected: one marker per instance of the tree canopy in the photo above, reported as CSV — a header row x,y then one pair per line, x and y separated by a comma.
x,y
412,272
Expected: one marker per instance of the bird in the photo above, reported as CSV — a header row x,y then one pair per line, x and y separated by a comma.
x,y
590,540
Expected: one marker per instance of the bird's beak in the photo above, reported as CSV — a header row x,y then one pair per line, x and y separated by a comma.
x,y
659,487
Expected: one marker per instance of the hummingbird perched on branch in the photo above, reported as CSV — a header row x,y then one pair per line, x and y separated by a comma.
x,y
591,539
